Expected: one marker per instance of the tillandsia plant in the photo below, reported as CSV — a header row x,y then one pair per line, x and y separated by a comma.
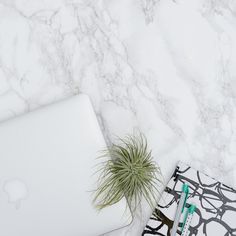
x,y
130,172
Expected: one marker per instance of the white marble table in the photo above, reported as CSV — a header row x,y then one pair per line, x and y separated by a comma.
x,y
164,67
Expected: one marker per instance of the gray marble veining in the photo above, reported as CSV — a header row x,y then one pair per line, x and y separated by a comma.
x,y
164,67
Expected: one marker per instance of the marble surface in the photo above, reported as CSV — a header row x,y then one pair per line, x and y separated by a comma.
x,y
166,67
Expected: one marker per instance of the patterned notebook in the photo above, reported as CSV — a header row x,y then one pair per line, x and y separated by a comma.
x,y
216,205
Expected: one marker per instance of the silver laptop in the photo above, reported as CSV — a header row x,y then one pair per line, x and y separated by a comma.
x,y
47,163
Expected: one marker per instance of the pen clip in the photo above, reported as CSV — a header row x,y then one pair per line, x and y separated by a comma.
x,y
190,211
185,189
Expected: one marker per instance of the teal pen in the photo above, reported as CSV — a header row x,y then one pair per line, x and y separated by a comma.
x,y
180,209
187,219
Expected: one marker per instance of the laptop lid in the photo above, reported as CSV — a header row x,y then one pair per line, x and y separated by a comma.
x,y
47,163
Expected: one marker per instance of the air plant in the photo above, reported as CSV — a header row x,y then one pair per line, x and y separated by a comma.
x,y
129,171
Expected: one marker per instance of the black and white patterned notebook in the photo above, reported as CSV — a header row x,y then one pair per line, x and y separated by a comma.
x,y
216,205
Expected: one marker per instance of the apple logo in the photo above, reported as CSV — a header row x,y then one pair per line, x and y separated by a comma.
x,y
16,191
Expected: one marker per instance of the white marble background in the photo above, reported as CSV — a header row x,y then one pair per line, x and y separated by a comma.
x,y
167,67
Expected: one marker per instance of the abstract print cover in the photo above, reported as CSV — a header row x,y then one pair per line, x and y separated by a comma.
x,y
215,214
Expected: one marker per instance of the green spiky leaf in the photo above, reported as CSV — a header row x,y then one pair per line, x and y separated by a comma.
x,y
130,172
